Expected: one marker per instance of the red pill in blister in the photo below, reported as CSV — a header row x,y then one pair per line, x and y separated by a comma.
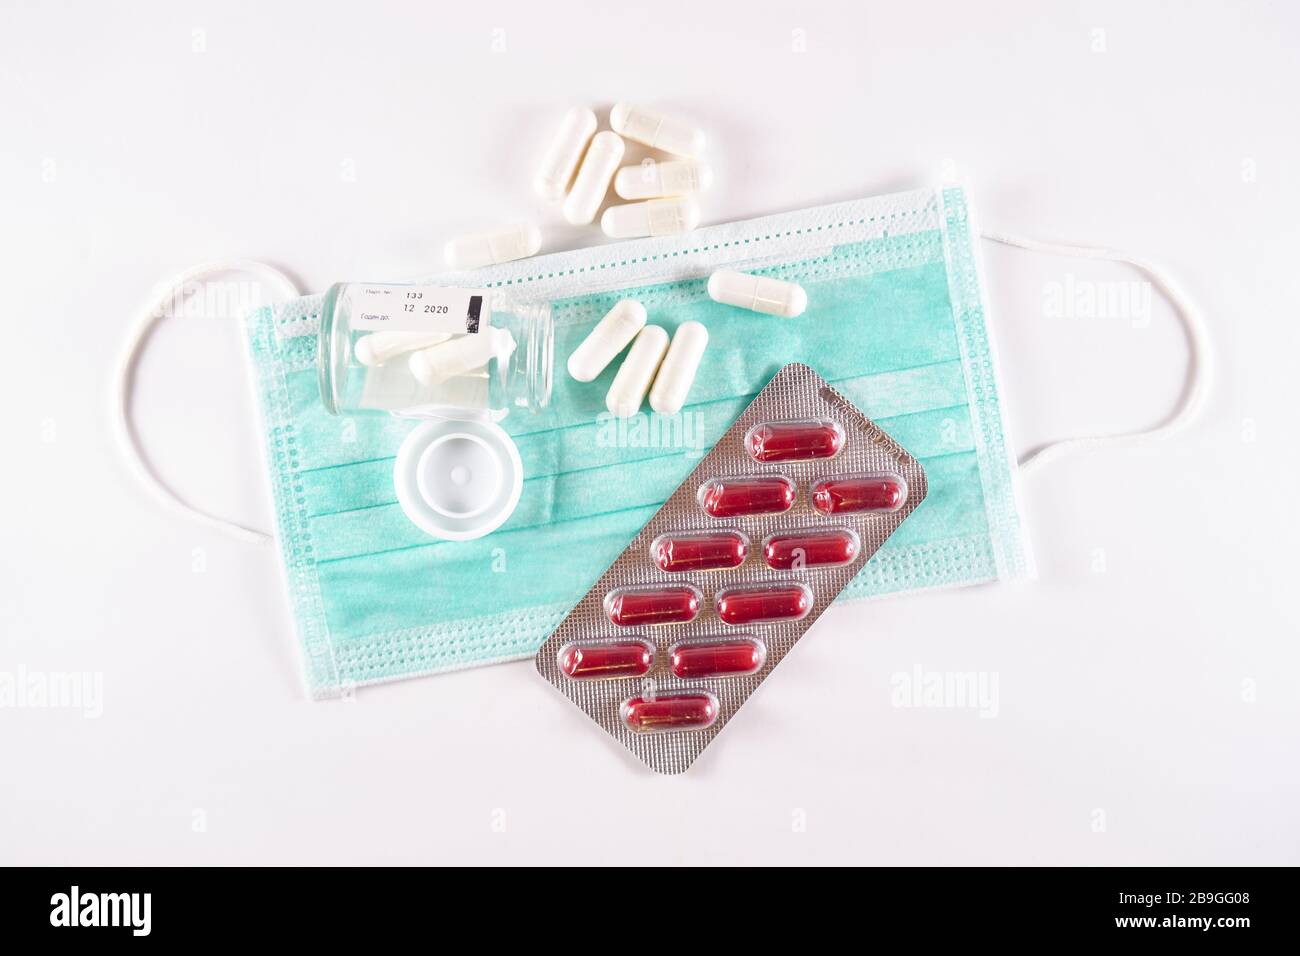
x,y
734,497
732,658
758,605
699,552
606,660
852,493
810,549
805,440
693,711
634,607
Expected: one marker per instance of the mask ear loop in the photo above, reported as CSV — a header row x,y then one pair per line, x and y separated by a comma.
x,y
1200,364
124,379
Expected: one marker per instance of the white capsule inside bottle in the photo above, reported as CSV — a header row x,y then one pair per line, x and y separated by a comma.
x,y
562,158
655,129
378,347
589,188
495,246
654,217
758,293
611,334
459,355
674,177
637,372
677,373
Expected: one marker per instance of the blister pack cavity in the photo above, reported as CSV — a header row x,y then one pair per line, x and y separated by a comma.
x,y
735,567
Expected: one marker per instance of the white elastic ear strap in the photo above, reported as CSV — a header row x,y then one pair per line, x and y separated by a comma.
x,y
1199,366
124,377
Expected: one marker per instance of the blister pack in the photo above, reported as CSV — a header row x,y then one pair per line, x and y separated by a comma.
x,y
734,568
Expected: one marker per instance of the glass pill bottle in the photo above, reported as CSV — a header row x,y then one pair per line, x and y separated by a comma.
x,y
426,351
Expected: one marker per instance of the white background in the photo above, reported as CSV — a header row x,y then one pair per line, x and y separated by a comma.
x,y
1147,682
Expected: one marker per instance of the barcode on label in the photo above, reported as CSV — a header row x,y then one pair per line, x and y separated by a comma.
x,y
411,308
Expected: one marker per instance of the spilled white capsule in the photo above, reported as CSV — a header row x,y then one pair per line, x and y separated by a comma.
x,y
677,373
460,354
654,217
675,177
758,293
378,347
619,326
489,248
598,166
637,372
655,129
561,160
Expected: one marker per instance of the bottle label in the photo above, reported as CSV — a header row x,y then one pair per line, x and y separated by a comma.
x,y
420,308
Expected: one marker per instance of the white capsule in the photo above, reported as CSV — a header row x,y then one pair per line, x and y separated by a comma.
x,y
619,326
378,347
561,160
651,180
588,192
654,217
637,372
758,293
489,248
657,130
677,373
460,354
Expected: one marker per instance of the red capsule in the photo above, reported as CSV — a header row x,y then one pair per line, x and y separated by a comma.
x,y
794,441
693,711
883,492
600,661
633,607
731,497
756,605
717,658
700,552
810,549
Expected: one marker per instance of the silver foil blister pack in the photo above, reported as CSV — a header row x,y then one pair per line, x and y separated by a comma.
x,y
734,568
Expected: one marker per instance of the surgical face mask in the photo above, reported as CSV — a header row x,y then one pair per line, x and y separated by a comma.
x,y
897,320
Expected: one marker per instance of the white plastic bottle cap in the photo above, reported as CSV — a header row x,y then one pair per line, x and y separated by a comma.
x,y
458,480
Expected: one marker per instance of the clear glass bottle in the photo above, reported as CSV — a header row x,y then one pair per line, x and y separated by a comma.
x,y
426,351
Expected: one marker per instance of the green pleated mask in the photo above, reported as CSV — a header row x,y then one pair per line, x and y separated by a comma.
x,y
896,320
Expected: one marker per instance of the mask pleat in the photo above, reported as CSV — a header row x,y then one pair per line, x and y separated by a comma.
x,y
449,580
880,327
891,398
344,500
